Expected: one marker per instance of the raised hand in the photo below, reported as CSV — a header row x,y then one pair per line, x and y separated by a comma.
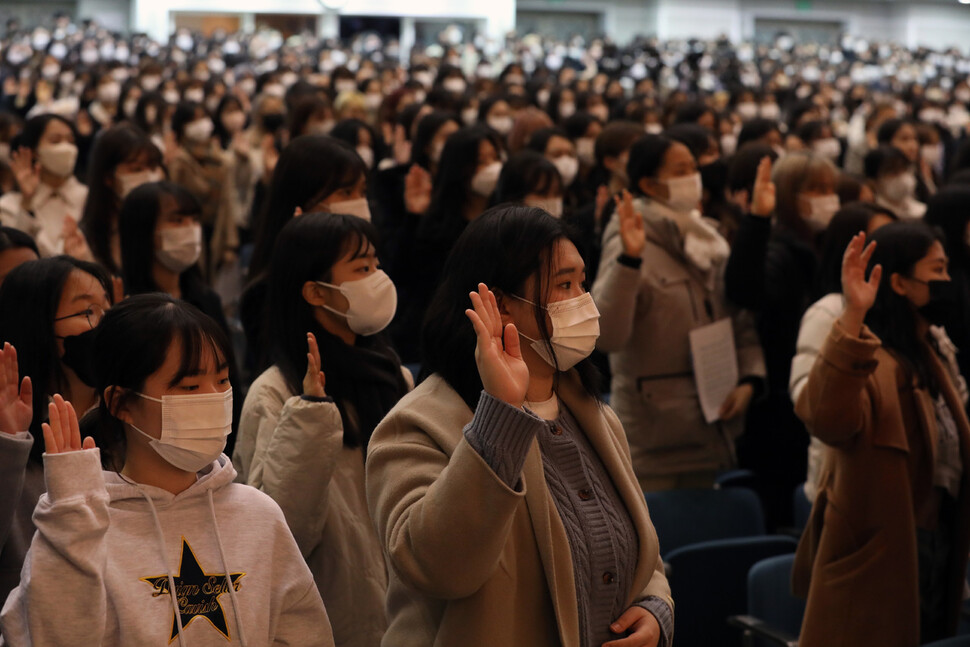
x,y
631,226
75,244
504,373
402,147
16,405
763,197
602,199
859,293
63,434
417,190
314,381
27,173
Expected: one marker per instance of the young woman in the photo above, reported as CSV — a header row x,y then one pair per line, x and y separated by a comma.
x,y
122,159
308,419
883,559
661,277
772,272
529,178
818,319
48,309
314,173
523,565
47,191
162,546
890,174
200,167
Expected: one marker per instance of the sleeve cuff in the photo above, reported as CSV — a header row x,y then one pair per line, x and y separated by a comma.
x,y
630,261
502,435
71,474
664,615
314,398
850,354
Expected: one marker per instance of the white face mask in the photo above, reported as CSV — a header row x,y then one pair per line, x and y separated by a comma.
x,y
896,189
586,150
821,210
747,110
129,107
729,144
575,329
684,193
372,302
345,85
358,207
151,83
501,125
568,168
770,111
234,121
194,428
436,151
109,92
653,129
196,95
58,159
181,247
469,116
171,96
601,112
486,179
931,154
367,154
567,110
131,181
829,148
552,206
454,85
199,130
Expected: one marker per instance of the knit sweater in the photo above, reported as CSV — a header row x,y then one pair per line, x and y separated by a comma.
x,y
601,535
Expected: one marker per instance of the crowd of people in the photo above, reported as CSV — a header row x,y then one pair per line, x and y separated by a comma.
x,y
441,310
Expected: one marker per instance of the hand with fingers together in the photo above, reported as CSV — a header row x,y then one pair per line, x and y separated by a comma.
x,y
314,381
63,434
643,625
505,375
860,293
631,226
763,196
26,172
16,404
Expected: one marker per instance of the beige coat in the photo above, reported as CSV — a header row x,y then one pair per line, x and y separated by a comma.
x,y
293,450
473,562
645,318
857,559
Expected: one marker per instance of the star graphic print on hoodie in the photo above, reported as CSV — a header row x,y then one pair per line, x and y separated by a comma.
x,y
197,593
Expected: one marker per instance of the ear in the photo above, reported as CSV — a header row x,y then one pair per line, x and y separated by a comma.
x,y
654,188
313,294
114,398
502,302
897,283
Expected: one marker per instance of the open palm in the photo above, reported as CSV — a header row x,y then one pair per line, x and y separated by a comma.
x,y
859,293
504,373
16,404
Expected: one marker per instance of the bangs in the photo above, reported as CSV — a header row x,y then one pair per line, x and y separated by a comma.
x,y
547,181
202,343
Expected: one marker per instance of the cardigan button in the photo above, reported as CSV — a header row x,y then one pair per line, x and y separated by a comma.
x,y
585,494
556,430
608,578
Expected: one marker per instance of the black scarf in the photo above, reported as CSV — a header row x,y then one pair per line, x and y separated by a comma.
x,y
367,377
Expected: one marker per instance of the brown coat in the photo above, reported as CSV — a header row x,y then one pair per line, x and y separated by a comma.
x,y
857,559
473,562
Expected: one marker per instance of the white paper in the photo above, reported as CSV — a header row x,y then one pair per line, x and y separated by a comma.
x,y
715,365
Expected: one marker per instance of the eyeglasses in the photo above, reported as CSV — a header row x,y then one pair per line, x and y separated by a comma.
x,y
94,313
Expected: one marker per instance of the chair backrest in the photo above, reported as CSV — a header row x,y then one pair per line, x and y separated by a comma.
x,y
769,594
709,582
684,517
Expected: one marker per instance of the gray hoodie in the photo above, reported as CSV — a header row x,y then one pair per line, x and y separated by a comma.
x,y
107,552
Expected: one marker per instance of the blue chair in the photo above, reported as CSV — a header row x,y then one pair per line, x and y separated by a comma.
x,y
774,615
415,371
959,641
684,517
709,582
735,478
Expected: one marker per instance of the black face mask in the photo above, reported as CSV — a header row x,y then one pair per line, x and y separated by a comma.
x,y
272,121
943,301
79,355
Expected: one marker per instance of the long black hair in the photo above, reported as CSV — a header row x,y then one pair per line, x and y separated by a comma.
x,y
505,248
365,378
893,318
29,299
847,222
132,343
525,173
949,209
137,222
310,168
114,146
